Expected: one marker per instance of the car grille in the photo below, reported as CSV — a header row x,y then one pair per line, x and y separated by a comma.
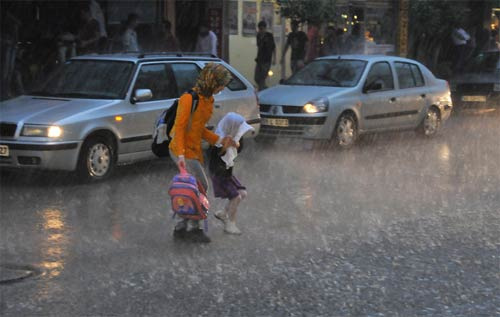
x,y
292,130
300,120
284,109
476,89
7,129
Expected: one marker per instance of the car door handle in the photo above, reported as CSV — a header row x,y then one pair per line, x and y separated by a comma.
x,y
393,99
422,95
217,106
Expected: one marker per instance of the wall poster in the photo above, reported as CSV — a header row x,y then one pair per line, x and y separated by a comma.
x,y
249,18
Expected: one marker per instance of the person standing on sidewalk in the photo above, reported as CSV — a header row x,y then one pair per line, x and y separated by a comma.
x,y
187,134
266,54
297,40
207,40
129,37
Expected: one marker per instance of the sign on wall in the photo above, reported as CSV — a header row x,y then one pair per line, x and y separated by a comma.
x,y
267,14
403,28
233,17
249,18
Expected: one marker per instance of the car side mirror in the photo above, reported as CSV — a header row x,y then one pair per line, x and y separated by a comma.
x,y
142,95
374,86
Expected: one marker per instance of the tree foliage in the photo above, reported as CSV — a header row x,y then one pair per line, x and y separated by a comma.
x,y
431,23
307,10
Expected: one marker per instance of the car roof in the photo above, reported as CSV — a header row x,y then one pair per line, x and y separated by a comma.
x,y
370,58
147,57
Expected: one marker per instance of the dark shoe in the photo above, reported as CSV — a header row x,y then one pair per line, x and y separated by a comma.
x,y
198,236
180,233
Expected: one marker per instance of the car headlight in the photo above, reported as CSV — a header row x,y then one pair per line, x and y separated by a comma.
x,y
315,106
45,131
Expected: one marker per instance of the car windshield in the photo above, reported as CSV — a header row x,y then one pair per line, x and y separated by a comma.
x,y
329,72
484,62
94,79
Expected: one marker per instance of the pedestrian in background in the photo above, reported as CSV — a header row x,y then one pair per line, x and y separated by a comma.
x,y
355,42
187,134
330,45
98,15
312,41
297,40
207,40
225,184
266,54
169,42
88,35
129,36
459,37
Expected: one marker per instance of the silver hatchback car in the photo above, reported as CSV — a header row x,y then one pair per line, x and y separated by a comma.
x,y
97,111
339,97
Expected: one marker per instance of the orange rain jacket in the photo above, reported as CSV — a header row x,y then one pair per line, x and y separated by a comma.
x,y
187,140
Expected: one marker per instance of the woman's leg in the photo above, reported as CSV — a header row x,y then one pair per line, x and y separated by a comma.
x,y
232,205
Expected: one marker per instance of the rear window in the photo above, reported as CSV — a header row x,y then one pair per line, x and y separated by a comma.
x,y
409,75
235,83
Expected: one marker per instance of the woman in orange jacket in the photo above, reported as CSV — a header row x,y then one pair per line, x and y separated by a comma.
x,y
188,132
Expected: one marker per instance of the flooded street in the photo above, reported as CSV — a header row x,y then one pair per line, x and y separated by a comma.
x,y
398,226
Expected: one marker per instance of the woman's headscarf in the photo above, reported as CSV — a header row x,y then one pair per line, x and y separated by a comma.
x,y
211,77
235,126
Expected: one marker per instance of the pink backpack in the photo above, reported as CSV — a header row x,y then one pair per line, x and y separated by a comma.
x,y
188,201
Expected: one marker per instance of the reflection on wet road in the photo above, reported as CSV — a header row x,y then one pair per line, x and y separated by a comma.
x,y
399,225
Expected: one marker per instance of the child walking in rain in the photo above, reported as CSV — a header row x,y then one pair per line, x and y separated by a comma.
x,y
225,184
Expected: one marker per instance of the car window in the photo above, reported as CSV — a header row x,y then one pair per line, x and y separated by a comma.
x,y
159,79
185,75
409,75
417,74
381,73
235,84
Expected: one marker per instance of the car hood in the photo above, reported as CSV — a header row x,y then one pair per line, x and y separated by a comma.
x,y
46,110
296,95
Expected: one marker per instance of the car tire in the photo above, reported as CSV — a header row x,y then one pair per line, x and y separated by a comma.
x,y
431,123
97,159
345,134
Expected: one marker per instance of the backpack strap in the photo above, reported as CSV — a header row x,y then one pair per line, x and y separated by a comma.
x,y
194,106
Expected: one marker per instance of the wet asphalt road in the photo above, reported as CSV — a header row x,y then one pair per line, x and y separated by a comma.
x,y
398,226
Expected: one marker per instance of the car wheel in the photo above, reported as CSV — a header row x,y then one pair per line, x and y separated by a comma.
x,y
97,159
431,123
346,131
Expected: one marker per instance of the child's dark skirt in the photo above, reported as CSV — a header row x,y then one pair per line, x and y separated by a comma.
x,y
226,187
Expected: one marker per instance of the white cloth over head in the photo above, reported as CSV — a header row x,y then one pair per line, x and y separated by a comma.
x,y
235,126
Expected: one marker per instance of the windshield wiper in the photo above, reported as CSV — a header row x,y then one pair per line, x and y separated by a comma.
x,y
40,93
81,95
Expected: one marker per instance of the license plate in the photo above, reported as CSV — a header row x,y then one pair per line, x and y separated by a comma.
x,y
474,98
275,122
4,150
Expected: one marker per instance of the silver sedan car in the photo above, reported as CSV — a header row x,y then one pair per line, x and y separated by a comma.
x,y
97,111
340,97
